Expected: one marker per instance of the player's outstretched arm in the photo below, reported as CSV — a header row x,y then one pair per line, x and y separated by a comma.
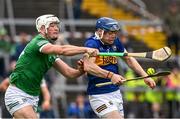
x,y
66,70
93,69
132,63
67,50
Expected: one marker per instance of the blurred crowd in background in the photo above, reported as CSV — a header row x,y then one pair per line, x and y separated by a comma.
x,y
139,100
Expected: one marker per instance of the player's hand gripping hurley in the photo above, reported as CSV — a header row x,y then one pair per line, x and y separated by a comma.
x,y
160,55
163,73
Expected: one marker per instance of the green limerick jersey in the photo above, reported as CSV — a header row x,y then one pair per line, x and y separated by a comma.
x,y
31,66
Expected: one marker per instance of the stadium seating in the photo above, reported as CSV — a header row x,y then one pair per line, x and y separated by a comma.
x,y
152,36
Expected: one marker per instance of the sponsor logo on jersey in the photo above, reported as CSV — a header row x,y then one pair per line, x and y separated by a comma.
x,y
105,60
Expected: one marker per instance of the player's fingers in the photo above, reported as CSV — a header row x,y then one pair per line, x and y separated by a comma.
x,y
94,53
124,80
80,62
152,84
120,82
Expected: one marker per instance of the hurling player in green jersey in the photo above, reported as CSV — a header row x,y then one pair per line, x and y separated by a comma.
x,y
39,55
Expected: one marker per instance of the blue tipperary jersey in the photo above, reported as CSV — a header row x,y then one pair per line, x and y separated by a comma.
x,y
105,62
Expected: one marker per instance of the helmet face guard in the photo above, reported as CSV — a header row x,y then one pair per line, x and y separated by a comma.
x,y
112,27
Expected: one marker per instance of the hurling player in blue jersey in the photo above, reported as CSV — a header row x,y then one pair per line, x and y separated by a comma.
x,y
106,101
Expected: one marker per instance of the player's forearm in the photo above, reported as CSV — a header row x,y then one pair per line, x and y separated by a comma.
x,y
67,50
74,73
132,63
46,104
72,50
66,70
46,94
47,98
91,68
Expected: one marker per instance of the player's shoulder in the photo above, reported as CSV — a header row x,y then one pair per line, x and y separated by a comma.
x,y
92,39
118,44
92,42
39,40
117,41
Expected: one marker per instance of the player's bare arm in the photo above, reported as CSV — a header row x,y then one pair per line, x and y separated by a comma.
x,y
92,68
4,84
67,50
132,63
47,97
65,69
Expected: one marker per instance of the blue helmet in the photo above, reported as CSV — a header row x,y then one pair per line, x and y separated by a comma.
x,y
107,24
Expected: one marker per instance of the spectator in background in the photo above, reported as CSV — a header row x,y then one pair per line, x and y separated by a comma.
x,y
172,27
80,108
19,47
45,108
172,95
77,8
3,86
5,44
5,48
123,35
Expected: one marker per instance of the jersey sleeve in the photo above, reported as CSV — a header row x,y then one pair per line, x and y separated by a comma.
x,y
41,44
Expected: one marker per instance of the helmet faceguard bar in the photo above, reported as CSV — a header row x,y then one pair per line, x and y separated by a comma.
x,y
112,27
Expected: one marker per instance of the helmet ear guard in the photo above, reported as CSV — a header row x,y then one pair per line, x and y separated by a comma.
x,y
46,20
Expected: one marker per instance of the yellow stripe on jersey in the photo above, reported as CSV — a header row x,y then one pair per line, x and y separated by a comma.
x,y
105,60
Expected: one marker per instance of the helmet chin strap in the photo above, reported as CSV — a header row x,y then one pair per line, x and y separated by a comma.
x,y
102,33
45,30
99,36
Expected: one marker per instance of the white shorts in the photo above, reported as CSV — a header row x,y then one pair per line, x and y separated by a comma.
x,y
105,103
16,99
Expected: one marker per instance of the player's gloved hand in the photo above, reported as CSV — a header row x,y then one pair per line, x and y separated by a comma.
x,y
150,82
92,52
117,79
